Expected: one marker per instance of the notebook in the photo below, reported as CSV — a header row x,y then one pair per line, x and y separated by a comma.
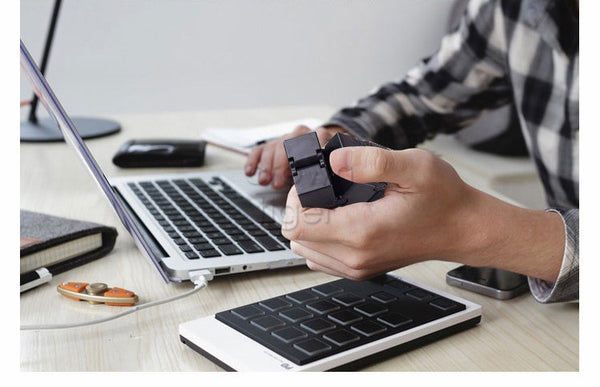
x,y
218,221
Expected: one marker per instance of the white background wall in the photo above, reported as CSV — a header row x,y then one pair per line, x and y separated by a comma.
x,y
140,56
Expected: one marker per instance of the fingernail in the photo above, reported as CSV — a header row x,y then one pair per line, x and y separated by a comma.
x,y
263,177
248,169
341,161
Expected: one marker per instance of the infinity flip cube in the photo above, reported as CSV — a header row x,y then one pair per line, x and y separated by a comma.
x,y
316,184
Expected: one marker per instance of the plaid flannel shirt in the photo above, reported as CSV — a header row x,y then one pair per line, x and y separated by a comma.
x,y
524,53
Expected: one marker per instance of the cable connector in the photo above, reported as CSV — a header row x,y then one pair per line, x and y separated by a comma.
x,y
201,277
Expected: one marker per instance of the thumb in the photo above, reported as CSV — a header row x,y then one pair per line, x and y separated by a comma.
x,y
370,164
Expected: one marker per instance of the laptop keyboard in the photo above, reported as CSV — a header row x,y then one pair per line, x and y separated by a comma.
x,y
317,322
209,220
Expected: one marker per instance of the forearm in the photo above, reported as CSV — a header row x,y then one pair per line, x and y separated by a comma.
x,y
498,234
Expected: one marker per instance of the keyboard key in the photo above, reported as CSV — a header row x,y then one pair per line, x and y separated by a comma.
x,y
180,241
222,241
192,255
257,233
302,296
368,328
185,248
444,304
348,299
203,246
419,294
296,314
289,334
318,325
275,304
269,243
247,312
384,297
327,289
394,319
341,337
345,317
267,323
400,285
230,249
241,237
249,246
322,306
211,253
312,347
371,309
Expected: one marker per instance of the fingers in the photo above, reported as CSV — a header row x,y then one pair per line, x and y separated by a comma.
x,y
317,260
325,134
265,164
280,169
323,225
270,160
369,164
253,159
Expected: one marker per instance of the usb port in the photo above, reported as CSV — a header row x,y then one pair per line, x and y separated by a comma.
x,y
222,270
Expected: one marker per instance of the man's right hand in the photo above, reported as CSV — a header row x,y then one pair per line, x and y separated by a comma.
x,y
270,159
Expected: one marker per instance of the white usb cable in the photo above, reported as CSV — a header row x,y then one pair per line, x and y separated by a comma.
x,y
200,279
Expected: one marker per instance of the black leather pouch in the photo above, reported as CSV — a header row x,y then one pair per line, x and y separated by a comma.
x,y
160,153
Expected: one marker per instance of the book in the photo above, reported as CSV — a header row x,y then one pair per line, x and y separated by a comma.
x,y
242,140
59,244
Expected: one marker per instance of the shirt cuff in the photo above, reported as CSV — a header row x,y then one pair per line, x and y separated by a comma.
x,y
566,287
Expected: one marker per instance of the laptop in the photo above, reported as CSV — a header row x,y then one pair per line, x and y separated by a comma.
x,y
218,221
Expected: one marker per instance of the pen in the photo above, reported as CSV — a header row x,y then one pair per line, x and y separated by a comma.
x,y
263,141
35,278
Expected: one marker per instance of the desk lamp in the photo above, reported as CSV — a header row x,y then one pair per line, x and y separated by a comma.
x,y
46,130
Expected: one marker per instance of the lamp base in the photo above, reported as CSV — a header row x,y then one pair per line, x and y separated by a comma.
x,y
46,129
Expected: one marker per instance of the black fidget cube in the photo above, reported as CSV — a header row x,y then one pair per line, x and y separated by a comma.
x,y
316,184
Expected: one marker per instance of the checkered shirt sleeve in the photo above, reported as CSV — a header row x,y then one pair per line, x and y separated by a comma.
x,y
524,53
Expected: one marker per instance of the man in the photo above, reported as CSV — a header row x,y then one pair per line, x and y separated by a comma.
x,y
503,52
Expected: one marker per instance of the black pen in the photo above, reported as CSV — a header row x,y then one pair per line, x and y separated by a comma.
x,y
35,278
263,141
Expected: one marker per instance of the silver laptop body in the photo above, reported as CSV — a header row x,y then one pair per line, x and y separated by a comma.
x,y
178,243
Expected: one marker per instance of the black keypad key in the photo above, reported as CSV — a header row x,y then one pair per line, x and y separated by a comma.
x,y
267,323
318,325
348,299
296,314
444,304
384,297
275,304
312,346
289,334
394,319
368,328
247,312
327,289
345,317
370,309
302,296
322,306
419,294
341,337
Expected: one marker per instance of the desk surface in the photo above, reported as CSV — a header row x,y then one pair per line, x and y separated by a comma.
x,y
514,335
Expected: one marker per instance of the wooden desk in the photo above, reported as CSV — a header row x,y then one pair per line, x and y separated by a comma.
x,y
515,335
